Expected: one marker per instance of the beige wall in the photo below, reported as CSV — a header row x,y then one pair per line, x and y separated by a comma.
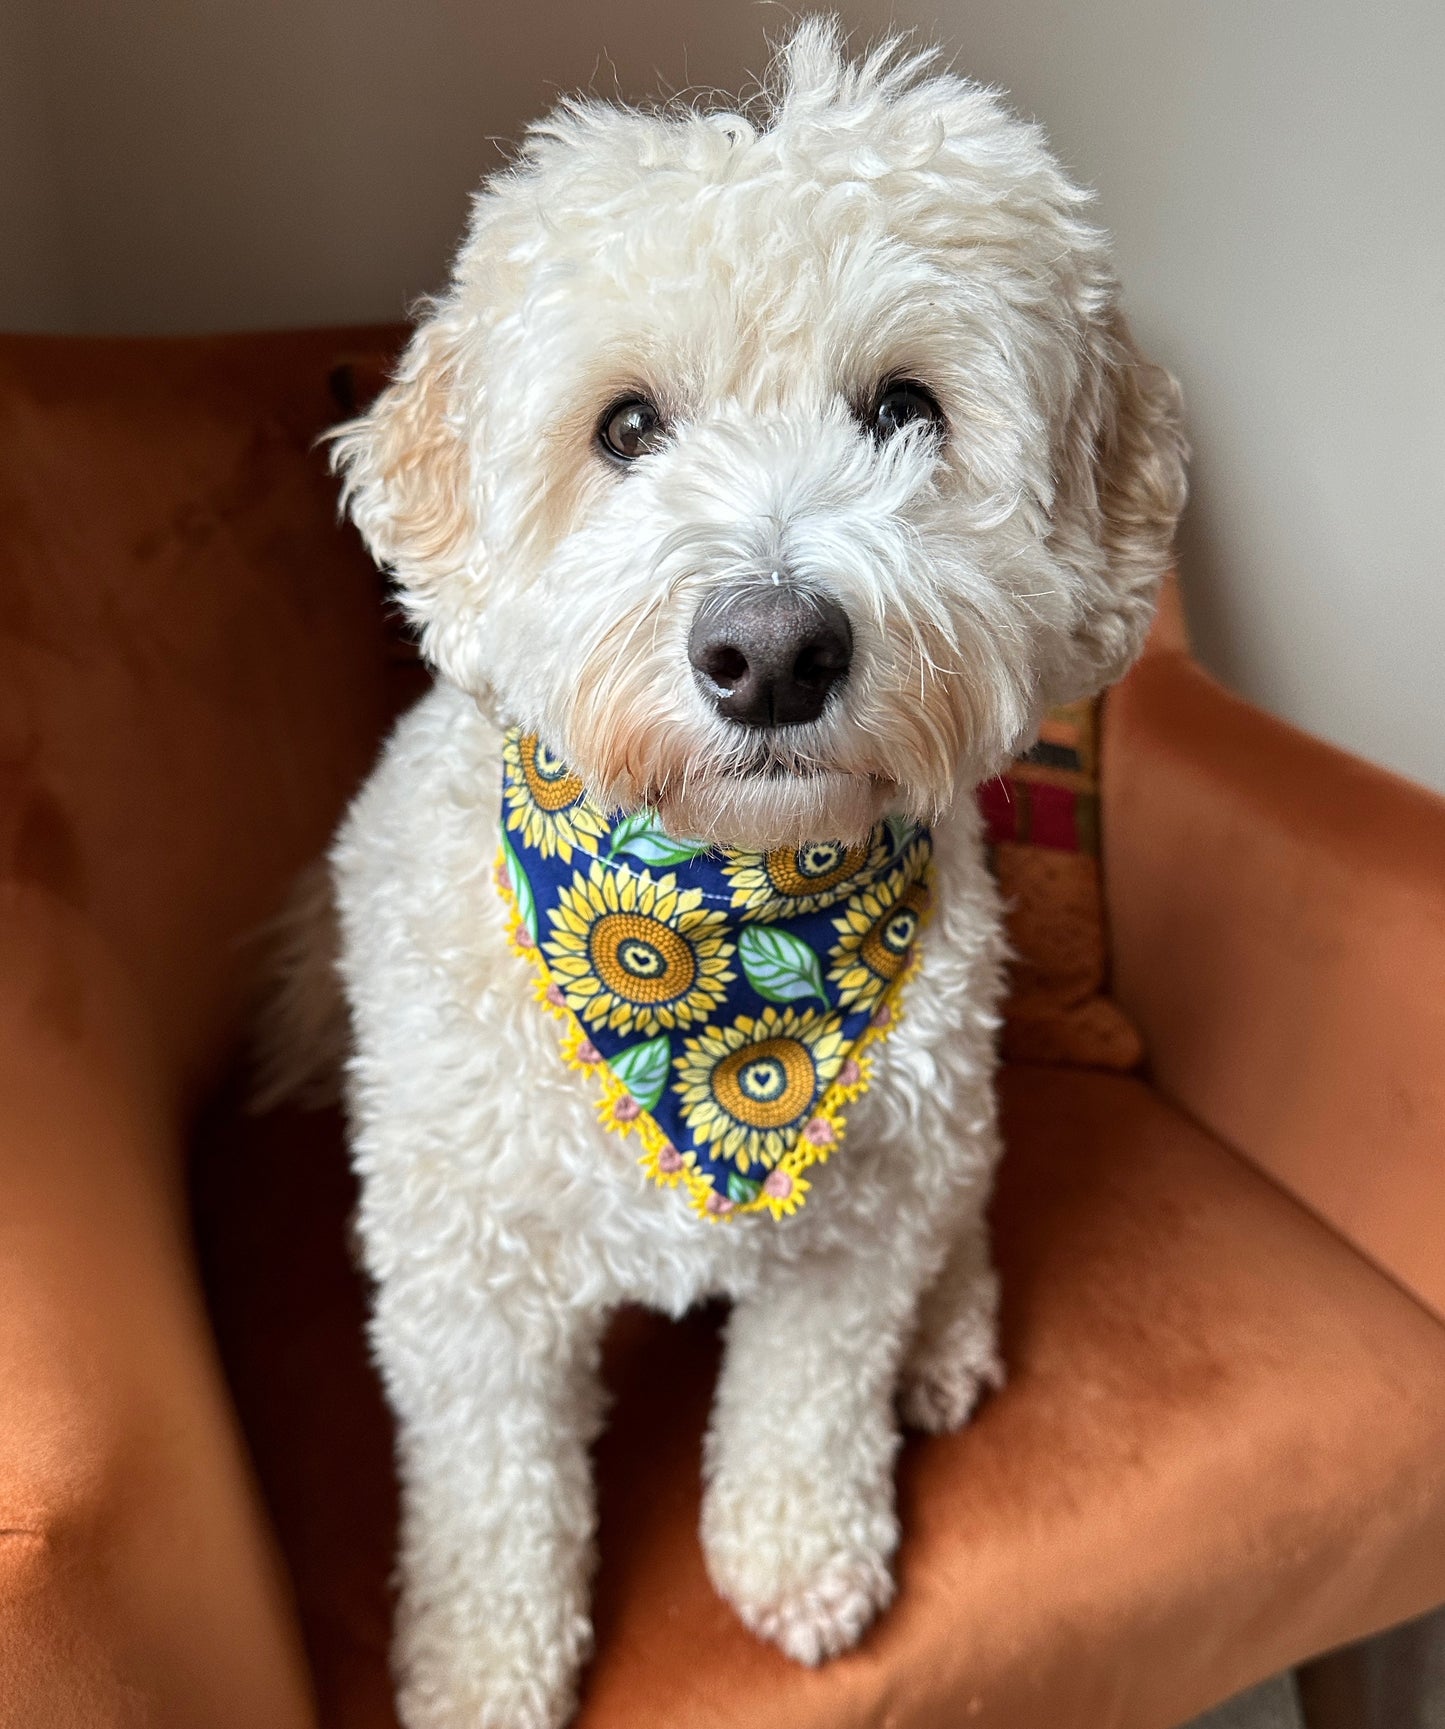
x,y
1274,171
35,274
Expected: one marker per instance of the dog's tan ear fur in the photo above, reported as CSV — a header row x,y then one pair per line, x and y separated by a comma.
x,y
1141,458
406,466
1121,489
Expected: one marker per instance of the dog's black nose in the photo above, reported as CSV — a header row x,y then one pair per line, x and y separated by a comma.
x,y
768,654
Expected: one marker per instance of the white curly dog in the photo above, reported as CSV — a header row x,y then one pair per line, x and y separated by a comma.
x,y
853,363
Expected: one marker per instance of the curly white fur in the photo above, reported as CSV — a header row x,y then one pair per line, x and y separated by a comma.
x,y
758,277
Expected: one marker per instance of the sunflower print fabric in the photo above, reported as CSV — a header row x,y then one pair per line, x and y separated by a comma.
x,y
788,882
545,804
877,932
636,955
722,1003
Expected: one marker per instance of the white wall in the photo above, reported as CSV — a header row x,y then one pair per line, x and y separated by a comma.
x,y
1274,171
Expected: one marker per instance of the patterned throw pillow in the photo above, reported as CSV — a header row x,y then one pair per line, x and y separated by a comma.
x,y
1042,818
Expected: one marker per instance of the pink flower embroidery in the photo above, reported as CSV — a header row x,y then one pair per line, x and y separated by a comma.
x,y
524,937
819,1133
719,1204
555,997
627,1109
587,1052
669,1160
778,1184
883,1016
850,1074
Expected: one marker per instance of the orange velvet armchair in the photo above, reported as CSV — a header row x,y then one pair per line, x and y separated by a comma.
x,y
1222,1446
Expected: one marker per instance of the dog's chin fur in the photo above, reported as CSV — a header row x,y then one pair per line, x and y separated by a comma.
x,y
759,812
762,278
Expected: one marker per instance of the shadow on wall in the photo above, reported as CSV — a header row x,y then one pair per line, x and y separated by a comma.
x,y
1218,625
225,166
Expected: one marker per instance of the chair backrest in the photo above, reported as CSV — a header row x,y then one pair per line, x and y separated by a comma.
x,y
192,654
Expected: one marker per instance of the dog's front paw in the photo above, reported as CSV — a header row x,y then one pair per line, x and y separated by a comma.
x,y
954,1360
939,1391
477,1700
805,1574
813,1619
514,1671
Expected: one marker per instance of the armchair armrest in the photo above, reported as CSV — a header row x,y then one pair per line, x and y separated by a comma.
x,y
139,1581
1277,910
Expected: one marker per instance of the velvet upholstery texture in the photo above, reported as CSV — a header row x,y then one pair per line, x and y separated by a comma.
x,y
190,684
1278,912
1222,1446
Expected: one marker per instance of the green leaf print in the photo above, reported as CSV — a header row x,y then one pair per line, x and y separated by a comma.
x,y
629,826
521,888
779,965
643,1069
643,837
900,831
741,1189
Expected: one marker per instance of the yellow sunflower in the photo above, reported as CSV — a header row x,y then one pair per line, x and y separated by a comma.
x,y
744,1087
635,954
877,931
546,801
790,881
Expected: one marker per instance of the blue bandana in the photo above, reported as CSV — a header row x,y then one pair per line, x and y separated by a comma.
x,y
722,1002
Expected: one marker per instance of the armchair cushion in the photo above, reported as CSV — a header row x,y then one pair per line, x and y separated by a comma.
x,y
1222,1447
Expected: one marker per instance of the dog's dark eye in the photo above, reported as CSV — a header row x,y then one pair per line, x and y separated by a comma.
x,y
903,403
630,429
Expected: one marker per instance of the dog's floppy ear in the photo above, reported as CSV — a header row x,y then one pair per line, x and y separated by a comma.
x,y
406,466
1121,487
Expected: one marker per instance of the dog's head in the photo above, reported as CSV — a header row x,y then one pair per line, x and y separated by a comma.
x,y
779,474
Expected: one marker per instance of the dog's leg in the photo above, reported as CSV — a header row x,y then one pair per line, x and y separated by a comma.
x,y
798,1519
954,1356
497,1393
